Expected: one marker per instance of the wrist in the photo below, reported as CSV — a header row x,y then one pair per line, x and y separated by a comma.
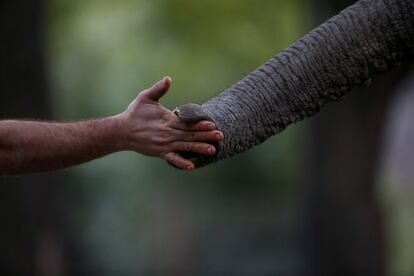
x,y
124,131
115,133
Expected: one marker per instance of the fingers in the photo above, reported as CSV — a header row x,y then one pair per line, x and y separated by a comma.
x,y
200,126
178,161
157,90
196,147
203,126
213,136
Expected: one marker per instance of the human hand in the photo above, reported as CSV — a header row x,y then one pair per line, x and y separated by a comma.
x,y
153,130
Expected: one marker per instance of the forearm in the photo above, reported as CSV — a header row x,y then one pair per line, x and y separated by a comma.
x,y
366,39
145,127
30,147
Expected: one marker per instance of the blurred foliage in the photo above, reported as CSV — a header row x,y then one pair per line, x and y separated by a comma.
x,y
101,53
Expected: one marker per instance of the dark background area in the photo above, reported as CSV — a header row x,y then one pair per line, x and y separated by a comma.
x,y
330,196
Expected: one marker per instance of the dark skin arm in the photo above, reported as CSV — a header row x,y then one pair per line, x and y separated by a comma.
x,y
145,127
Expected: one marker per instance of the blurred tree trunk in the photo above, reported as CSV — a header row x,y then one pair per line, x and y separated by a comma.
x,y
30,236
346,225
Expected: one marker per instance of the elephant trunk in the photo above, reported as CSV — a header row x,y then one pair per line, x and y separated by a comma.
x,y
367,38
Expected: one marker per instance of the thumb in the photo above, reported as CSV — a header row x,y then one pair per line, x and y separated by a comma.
x,y
158,90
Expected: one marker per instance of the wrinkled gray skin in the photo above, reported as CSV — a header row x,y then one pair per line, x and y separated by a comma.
x,y
367,38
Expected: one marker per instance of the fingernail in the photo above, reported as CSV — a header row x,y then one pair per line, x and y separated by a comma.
x,y
190,167
167,80
211,126
219,136
211,150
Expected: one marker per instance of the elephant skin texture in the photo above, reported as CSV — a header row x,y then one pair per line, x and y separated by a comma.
x,y
366,39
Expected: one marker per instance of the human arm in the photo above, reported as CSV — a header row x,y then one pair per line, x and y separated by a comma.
x,y
145,127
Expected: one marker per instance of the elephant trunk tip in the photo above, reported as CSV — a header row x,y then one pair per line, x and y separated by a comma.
x,y
192,113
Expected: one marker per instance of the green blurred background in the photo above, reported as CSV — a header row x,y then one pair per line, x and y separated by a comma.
x,y
298,204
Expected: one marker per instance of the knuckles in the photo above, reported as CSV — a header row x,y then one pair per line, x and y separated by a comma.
x,y
162,138
189,147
